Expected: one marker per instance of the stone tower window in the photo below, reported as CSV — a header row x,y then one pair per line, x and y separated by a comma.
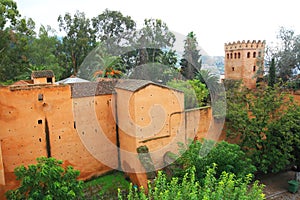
x,y
254,68
231,56
239,55
227,55
254,54
248,55
232,69
234,55
259,54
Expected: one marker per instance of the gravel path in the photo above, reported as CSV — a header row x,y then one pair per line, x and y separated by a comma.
x,y
276,186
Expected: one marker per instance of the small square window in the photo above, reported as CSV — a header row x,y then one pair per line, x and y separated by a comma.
x,y
40,121
49,80
40,97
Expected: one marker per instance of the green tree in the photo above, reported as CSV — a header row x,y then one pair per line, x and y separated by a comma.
x,y
46,180
100,63
287,53
194,92
114,30
43,53
227,186
151,44
78,41
211,82
272,74
264,122
8,13
191,61
16,35
228,157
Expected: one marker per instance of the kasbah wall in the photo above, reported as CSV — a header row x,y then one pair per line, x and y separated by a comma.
x,y
76,123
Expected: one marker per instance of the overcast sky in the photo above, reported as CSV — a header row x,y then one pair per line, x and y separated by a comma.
x,y
215,22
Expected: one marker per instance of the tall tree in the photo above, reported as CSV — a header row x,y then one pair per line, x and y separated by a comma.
x,y
43,53
272,73
191,61
287,55
265,122
16,35
152,39
114,30
78,41
151,44
8,13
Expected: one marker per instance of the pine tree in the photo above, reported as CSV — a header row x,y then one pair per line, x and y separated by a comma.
x,y
191,62
272,75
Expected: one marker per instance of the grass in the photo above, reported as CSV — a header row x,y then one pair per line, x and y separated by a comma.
x,y
106,186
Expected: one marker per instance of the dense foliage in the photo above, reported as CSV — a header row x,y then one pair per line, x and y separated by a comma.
x,y
23,51
227,186
286,54
46,180
228,157
195,92
191,61
266,124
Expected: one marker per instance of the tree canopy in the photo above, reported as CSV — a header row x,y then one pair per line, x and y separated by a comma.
x,y
266,124
46,180
286,54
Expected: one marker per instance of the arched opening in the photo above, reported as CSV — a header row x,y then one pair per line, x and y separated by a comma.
x,y
232,69
254,68
227,55
234,55
239,55
248,55
254,54
231,56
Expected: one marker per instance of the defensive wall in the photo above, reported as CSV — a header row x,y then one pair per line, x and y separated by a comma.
x,y
77,123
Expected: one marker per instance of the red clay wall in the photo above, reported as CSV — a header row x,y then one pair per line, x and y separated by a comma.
x,y
23,129
154,116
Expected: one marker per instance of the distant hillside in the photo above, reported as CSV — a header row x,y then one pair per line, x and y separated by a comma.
x,y
213,61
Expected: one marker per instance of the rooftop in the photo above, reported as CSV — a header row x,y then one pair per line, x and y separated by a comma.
x,y
135,84
42,74
88,89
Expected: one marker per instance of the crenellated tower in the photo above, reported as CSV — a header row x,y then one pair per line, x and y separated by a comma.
x,y
244,61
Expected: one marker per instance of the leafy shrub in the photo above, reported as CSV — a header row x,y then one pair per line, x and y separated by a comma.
x,y
46,180
266,124
228,157
227,186
195,92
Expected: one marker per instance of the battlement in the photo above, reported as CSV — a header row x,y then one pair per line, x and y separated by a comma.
x,y
244,45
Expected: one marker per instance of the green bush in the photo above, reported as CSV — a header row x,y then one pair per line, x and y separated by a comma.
x,y
228,157
227,186
46,180
266,124
195,92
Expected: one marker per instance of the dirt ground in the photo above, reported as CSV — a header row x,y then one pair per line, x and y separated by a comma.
x,y
276,186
